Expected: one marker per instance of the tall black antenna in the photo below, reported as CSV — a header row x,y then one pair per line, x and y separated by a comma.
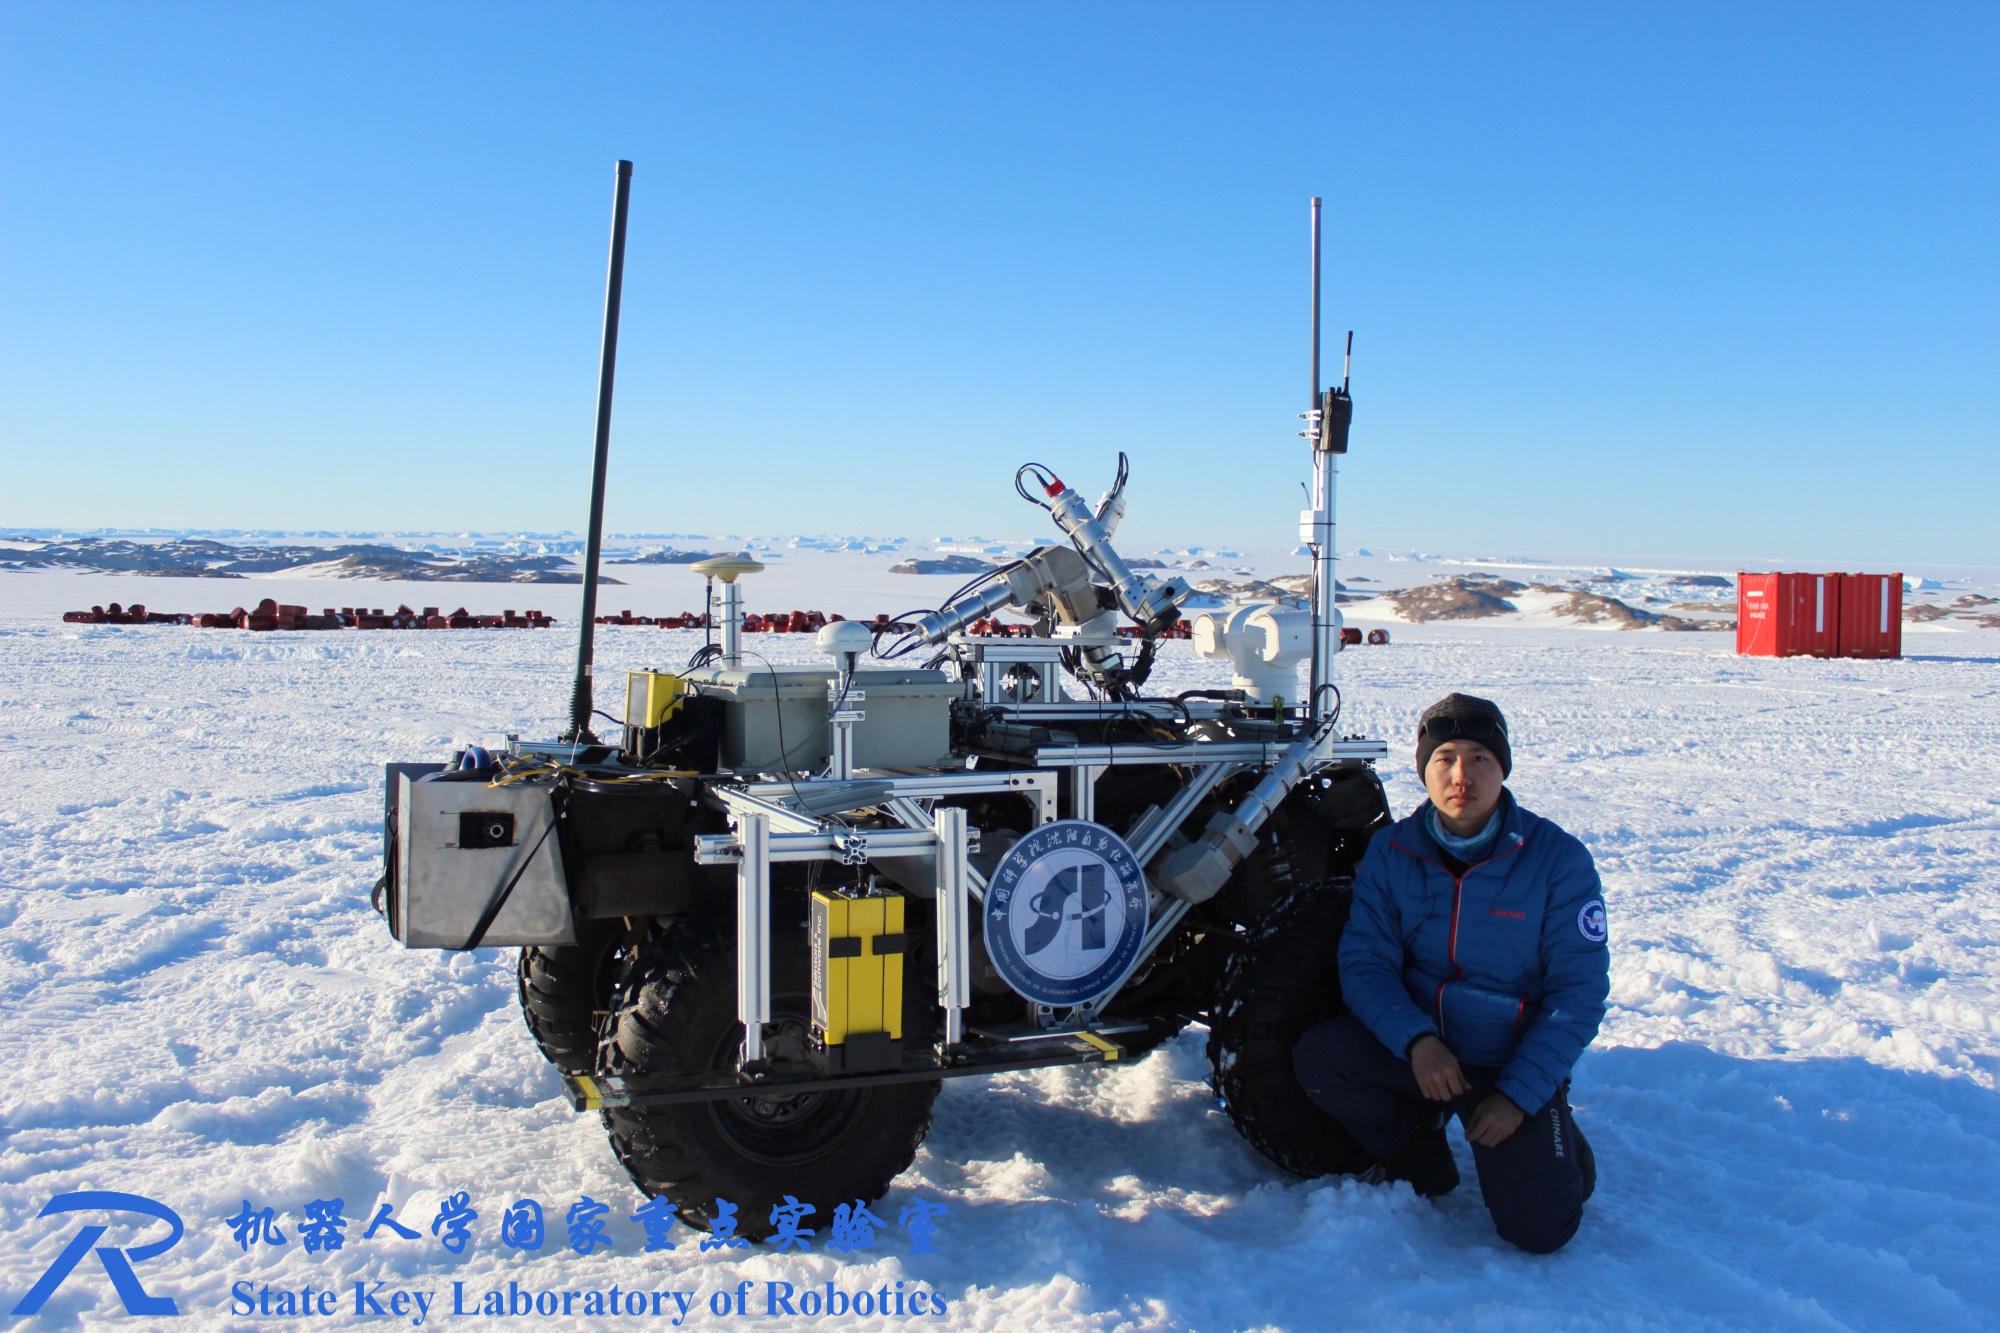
x,y
607,370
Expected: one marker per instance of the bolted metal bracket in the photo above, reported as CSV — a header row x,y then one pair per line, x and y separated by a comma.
x,y
853,848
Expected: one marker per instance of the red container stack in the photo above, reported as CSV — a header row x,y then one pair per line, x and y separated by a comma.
x,y
1819,615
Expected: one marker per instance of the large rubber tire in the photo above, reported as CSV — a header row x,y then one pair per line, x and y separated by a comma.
x,y
565,990
676,1012
1279,980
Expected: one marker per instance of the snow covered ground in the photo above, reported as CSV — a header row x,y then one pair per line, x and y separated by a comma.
x,y
1793,1099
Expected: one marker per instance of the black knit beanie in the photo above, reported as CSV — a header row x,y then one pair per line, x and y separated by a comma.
x,y
1464,717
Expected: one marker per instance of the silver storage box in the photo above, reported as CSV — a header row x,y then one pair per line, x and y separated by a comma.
x,y
908,722
459,844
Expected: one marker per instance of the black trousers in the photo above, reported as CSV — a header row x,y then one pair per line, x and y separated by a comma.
x,y
1533,1181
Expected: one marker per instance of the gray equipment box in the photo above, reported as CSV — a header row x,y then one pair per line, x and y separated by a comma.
x,y
459,845
907,725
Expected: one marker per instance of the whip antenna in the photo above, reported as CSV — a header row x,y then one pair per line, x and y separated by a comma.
x,y
607,370
1312,398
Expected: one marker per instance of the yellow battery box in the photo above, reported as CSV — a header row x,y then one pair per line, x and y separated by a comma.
x,y
650,698
653,700
857,979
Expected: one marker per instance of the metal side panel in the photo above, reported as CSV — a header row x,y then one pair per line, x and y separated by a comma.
x,y
446,885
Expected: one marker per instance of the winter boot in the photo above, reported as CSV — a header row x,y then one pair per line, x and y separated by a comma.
x,y
1425,1162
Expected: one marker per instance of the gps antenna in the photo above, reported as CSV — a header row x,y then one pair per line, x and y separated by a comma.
x,y
579,732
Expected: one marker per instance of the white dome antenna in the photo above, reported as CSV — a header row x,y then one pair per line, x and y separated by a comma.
x,y
729,568
844,641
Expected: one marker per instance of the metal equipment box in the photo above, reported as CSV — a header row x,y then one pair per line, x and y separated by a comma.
x,y
1871,615
775,718
462,844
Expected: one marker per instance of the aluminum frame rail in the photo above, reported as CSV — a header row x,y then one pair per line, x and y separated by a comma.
x,y
753,932
1219,761
753,847
770,797
768,831
1202,752
954,933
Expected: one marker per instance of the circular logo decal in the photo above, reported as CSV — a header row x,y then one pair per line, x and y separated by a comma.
x,y
1066,913
1590,921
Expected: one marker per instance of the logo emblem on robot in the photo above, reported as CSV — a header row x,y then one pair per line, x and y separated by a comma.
x,y
1066,912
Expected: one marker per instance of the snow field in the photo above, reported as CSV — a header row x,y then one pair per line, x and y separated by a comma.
x,y
1793,1098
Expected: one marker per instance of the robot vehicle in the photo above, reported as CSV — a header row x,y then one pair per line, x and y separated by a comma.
x,y
759,926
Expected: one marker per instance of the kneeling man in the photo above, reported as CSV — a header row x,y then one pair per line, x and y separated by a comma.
x,y
1475,970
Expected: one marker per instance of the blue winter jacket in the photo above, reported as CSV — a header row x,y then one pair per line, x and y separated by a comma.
x,y
1507,964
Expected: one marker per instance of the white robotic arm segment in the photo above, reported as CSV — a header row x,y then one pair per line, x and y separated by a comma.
x,y
1065,585
1111,504
1053,574
1197,871
1145,600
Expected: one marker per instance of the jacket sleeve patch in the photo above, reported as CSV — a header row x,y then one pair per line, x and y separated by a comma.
x,y
1590,921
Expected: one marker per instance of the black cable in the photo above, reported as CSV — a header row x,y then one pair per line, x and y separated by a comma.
x,y
700,731
982,577
1334,716
902,645
1136,674
905,642
499,900
1178,701
1043,475
971,585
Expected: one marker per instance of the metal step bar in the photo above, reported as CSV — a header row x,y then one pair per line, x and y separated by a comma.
x,y
1039,1050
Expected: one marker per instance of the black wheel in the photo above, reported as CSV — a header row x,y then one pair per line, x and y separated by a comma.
x,y
565,990
676,1012
1279,980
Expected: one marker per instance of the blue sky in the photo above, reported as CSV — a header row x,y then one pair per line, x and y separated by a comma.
x,y
1699,280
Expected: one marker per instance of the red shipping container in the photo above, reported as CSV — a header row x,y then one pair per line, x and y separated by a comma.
x,y
1871,615
1788,615
1757,615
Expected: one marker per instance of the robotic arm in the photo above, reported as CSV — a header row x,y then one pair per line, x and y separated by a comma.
x,y
1051,577
1060,583
1146,600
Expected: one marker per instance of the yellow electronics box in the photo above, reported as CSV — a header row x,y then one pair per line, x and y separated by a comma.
x,y
857,979
650,698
